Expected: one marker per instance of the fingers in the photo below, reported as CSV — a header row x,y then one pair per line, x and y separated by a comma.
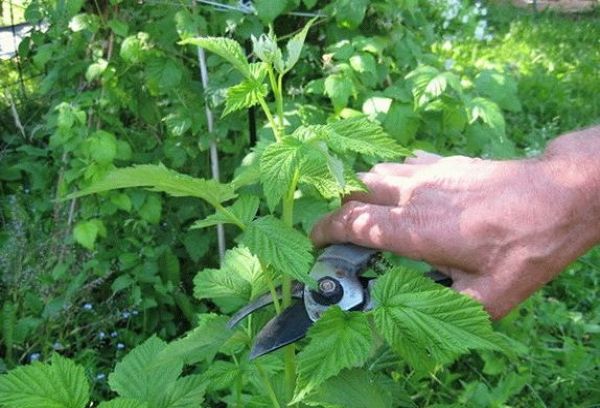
x,y
396,169
369,225
382,190
423,158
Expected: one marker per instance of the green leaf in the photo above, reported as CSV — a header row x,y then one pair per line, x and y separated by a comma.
x,y
268,10
85,233
429,83
102,147
62,384
201,343
427,323
266,49
278,166
244,95
186,392
295,44
360,135
243,210
401,122
123,403
500,88
226,48
338,340
140,376
350,13
363,63
281,246
95,70
134,47
159,178
240,276
354,388
489,113
151,210
339,88
163,73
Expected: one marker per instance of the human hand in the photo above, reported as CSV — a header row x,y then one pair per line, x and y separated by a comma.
x,y
499,229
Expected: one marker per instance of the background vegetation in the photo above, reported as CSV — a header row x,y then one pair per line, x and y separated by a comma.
x,y
106,84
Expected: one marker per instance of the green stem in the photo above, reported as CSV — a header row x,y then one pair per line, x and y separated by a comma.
x,y
272,290
267,111
268,386
286,287
276,85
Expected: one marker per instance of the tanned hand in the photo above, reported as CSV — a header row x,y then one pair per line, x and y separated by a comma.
x,y
499,229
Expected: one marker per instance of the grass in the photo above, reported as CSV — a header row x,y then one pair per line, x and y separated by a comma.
x,y
555,59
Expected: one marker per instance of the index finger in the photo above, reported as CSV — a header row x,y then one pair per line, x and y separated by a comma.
x,y
373,226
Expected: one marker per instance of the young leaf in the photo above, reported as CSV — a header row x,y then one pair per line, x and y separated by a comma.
x,y
295,44
276,244
244,95
278,165
338,340
422,320
140,376
61,384
360,135
123,403
243,211
240,276
202,343
159,178
266,49
226,48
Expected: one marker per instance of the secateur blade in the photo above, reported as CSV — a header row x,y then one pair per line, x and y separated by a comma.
x,y
261,302
291,325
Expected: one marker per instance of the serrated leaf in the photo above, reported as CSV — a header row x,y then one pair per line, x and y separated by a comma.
x,y
429,83
201,343
244,95
278,165
276,244
338,340
295,44
61,384
354,388
360,135
221,374
488,112
141,376
159,178
424,321
186,392
244,210
123,403
226,48
240,276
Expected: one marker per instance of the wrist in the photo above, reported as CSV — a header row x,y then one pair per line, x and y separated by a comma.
x,y
571,169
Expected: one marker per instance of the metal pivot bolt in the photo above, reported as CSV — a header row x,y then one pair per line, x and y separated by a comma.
x,y
329,291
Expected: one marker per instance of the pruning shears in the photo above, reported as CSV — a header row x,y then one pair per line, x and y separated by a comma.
x,y
338,272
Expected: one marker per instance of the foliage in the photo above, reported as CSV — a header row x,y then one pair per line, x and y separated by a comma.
x,y
102,261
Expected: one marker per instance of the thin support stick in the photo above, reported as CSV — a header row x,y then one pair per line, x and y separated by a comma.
x,y
214,154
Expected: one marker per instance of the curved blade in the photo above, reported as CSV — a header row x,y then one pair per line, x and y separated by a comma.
x,y
291,325
261,302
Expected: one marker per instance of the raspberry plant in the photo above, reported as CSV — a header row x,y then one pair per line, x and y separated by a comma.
x,y
290,170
